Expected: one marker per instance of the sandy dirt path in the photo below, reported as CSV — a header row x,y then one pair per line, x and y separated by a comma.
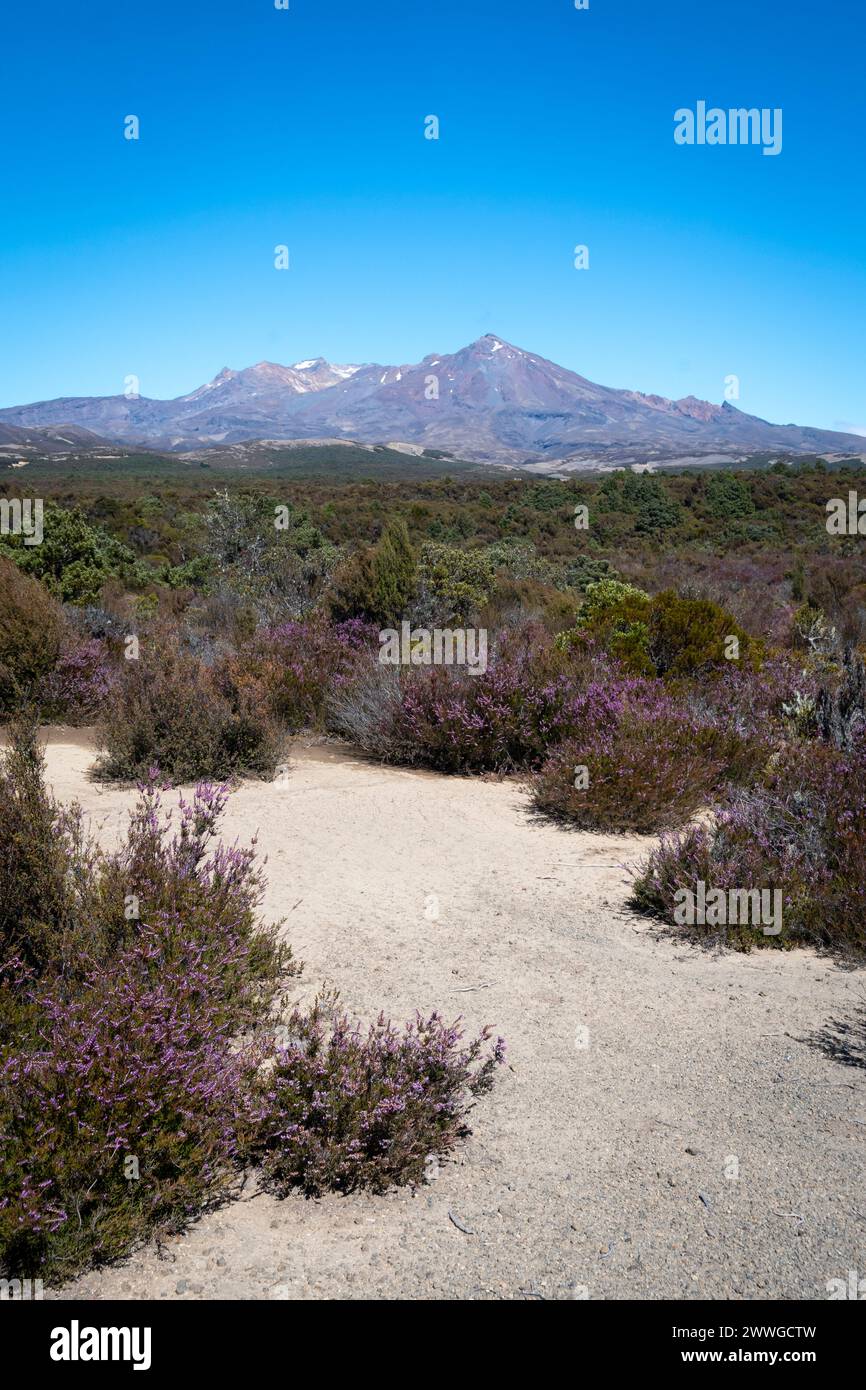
x,y
667,1126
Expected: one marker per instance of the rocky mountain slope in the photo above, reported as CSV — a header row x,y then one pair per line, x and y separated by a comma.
x,y
490,401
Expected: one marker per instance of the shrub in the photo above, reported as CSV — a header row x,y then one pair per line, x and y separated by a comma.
x,y
139,1067
610,601
31,625
299,665
459,581
614,616
515,602
647,774
530,696
42,861
801,830
376,584
664,636
132,1065
344,1109
728,496
128,1043
270,555
393,573
366,711
689,636
654,510
169,709
75,557
659,760
79,685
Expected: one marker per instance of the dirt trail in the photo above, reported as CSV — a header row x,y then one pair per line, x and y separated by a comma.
x,y
602,1170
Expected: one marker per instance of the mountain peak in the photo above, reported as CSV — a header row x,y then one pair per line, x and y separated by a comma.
x,y
269,368
490,343
492,402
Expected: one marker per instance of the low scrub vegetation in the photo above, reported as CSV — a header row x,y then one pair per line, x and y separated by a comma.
x,y
690,665
144,1062
171,709
346,1108
31,627
800,829
659,666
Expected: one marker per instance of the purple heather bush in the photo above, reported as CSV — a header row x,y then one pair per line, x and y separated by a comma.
x,y
801,829
77,687
758,703
140,999
531,696
656,751
651,767
497,722
133,989
299,664
121,1112
346,1108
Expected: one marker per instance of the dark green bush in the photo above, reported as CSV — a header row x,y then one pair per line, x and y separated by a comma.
x,y
31,627
377,583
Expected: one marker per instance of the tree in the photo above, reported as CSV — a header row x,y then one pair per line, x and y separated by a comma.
x,y
75,557
376,583
393,572
728,497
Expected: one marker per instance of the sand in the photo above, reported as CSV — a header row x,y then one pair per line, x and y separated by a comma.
x,y
668,1125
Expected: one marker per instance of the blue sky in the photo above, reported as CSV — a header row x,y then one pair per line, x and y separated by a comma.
x,y
306,127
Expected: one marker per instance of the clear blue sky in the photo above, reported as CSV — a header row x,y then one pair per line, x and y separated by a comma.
x,y
261,126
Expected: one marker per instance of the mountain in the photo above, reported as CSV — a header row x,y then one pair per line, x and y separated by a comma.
x,y
488,402
32,439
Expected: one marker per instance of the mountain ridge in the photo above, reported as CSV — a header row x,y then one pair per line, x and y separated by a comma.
x,y
489,401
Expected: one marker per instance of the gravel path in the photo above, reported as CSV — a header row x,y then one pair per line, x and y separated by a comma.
x,y
668,1126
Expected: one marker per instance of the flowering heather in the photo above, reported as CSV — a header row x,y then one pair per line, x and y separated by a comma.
x,y
77,687
755,701
299,664
185,885
649,769
801,829
530,696
346,1109
500,721
133,1062
139,1068
131,1004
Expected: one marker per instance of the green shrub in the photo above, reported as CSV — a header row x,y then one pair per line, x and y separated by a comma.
x,y
664,636
460,581
728,496
376,584
614,615
31,627
75,557
688,636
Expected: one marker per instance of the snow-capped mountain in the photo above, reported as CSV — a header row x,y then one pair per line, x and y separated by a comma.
x,y
489,401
